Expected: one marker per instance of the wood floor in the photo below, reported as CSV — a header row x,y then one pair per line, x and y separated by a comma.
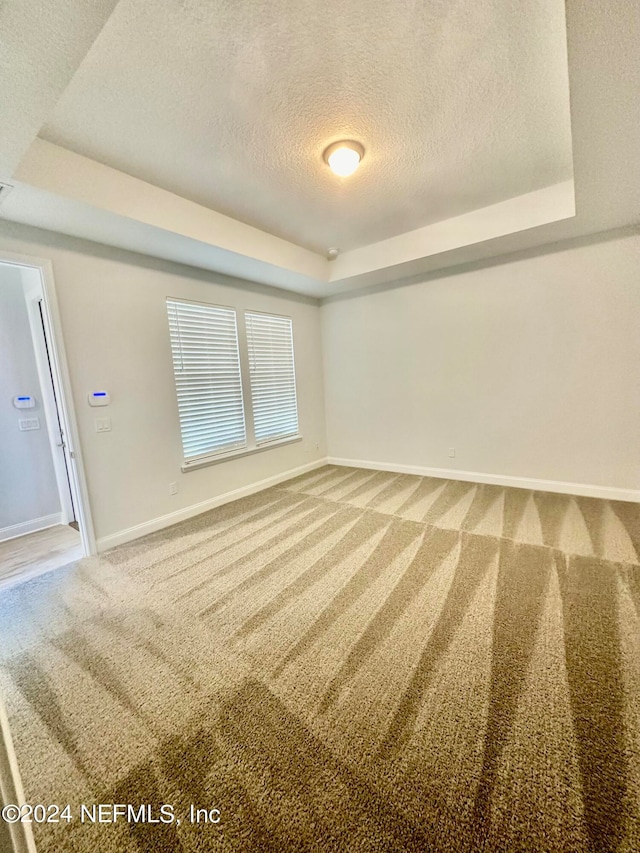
x,y
27,556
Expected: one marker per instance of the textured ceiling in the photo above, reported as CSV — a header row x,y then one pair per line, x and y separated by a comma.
x,y
41,45
230,103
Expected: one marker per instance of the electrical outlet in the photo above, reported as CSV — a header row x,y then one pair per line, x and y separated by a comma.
x,y
103,424
173,488
452,452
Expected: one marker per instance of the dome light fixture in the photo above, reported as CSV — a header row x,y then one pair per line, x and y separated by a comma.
x,y
344,157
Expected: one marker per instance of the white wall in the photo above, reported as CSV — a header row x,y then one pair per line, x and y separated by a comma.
x,y
28,489
113,314
529,369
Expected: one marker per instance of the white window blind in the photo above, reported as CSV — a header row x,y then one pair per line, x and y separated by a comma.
x,y
273,377
206,365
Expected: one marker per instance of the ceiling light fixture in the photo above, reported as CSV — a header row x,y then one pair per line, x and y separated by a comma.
x,y
344,157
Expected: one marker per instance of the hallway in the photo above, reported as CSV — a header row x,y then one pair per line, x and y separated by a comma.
x,y
36,553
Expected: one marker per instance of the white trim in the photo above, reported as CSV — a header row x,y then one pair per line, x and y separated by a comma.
x,y
62,383
33,296
25,527
11,786
130,533
591,491
203,461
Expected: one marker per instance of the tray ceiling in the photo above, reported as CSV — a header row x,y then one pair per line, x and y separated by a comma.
x,y
230,104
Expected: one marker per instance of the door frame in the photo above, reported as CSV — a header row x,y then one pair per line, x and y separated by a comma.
x,y
62,390
21,834
34,296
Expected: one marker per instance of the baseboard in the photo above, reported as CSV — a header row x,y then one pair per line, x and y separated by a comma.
x,y
582,489
32,526
138,530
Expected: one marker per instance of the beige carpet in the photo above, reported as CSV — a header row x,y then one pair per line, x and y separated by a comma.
x,y
352,661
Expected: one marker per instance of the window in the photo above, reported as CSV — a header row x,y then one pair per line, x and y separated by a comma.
x,y
206,365
211,358
273,377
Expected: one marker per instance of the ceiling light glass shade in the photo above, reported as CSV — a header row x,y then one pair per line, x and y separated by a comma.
x,y
344,161
344,157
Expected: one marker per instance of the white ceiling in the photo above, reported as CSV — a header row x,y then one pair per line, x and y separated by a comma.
x,y
470,127
41,46
230,103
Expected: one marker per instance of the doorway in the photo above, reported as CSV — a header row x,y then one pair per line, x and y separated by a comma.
x,y
44,510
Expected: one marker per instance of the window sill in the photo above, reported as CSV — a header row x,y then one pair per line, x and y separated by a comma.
x,y
236,454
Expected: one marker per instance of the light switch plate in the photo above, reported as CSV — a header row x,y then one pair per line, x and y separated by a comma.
x,y
29,423
103,424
